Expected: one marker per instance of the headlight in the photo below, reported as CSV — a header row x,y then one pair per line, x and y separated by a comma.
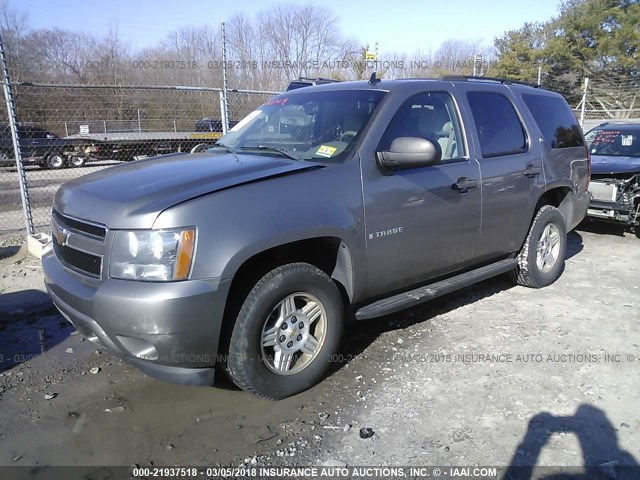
x,y
152,255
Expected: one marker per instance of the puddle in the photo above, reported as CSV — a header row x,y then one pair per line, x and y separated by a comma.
x,y
22,340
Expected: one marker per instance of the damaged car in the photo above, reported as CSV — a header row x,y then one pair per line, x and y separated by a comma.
x,y
615,173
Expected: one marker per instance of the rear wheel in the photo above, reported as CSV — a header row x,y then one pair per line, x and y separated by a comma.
x,y
286,332
76,161
541,260
55,161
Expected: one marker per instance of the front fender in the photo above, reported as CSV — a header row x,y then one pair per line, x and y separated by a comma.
x,y
237,223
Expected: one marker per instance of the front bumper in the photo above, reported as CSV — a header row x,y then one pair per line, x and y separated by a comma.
x,y
612,211
168,330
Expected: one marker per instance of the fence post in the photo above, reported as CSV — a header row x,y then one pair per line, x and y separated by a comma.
x,y
584,101
225,103
13,125
223,114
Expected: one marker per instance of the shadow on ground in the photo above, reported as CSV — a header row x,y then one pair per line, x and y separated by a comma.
x,y
602,456
604,228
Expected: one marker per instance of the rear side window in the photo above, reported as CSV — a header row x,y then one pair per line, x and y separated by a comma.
x,y
499,128
556,121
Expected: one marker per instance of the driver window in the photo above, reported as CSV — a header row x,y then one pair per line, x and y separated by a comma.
x,y
431,116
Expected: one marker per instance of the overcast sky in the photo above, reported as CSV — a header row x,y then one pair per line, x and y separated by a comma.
x,y
401,26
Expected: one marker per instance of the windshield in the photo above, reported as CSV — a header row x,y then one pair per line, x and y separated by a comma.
x,y
614,142
316,126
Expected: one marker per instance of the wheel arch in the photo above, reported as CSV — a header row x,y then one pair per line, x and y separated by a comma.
x,y
328,253
561,197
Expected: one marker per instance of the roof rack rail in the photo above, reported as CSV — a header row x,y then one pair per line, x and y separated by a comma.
x,y
319,79
505,81
307,82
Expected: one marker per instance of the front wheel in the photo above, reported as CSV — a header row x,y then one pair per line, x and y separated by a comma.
x,y
541,260
286,333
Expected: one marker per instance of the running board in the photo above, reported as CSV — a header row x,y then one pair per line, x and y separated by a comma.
x,y
428,292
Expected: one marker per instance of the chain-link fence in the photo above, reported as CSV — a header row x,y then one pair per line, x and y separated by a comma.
x,y
12,220
67,131
593,117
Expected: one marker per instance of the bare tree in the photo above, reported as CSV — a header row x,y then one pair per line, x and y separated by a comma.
x,y
13,27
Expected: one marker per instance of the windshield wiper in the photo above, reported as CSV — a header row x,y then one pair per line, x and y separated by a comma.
x,y
227,149
282,152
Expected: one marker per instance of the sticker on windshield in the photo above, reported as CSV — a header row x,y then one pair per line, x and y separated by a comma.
x,y
326,151
246,120
627,140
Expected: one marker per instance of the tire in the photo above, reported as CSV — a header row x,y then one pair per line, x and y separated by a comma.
x,y
317,310
548,224
55,161
77,161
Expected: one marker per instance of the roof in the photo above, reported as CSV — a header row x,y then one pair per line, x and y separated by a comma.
x,y
401,83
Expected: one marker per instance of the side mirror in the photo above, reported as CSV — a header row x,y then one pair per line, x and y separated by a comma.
x,y
410,152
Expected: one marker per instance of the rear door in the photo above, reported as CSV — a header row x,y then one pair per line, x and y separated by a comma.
x,y
511,170
562,145
419,224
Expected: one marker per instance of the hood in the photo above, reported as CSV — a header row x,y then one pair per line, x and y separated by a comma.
x,y
132,195
602,164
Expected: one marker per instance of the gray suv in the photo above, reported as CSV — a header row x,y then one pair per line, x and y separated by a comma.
x,y
327,202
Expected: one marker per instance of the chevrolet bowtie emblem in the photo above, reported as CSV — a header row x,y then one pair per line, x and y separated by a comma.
x,y
62,237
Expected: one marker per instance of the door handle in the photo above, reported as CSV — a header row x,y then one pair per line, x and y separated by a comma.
x,y
463,185
531,171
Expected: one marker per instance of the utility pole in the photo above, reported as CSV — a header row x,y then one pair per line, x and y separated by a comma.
x,y
539,74
225,103
584,100
477,66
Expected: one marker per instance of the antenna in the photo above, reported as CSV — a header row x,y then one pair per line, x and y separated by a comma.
x,y
373,80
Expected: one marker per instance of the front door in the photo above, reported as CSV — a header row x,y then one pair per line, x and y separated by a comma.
x,y
422,222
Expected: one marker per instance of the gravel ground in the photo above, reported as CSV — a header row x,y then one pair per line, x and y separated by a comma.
x,y
491,375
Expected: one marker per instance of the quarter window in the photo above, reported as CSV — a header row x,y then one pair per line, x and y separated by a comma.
x,y
556,121
499,128
431,116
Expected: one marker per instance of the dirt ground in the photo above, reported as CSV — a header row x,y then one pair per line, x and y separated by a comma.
x,y
492,375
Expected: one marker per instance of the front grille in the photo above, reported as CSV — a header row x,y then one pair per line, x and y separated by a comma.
x,y
84,262
79,226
